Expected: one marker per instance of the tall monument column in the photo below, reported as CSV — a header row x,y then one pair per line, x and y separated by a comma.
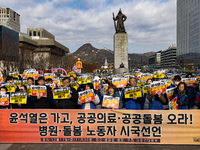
x,y
120,50
120,44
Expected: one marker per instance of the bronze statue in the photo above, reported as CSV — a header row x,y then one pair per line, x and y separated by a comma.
x,y
120,18
121,65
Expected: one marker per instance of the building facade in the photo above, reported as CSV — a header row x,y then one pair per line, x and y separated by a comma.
x,y
155,60
168,57
188,33
39,33
9,50
10,18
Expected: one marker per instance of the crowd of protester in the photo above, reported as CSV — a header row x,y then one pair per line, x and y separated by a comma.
x,y
188,97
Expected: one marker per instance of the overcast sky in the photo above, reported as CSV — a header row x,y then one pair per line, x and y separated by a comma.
x,y
150,24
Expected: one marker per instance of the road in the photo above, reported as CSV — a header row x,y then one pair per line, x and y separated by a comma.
x,y
81,146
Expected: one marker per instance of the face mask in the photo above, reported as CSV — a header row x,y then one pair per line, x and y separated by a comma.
x,y
2,93
176,83
20,90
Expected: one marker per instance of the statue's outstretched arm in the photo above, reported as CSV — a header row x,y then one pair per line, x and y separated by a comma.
x,y
124,18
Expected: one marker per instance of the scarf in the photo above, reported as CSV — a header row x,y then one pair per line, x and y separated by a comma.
x,y
181,93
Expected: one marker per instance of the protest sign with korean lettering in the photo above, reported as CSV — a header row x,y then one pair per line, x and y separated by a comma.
x,y
158,86
37,90
49,75
61,93
170,93
4,100
189,81
133,91
74,84
119,82
110,101
173,104
87,96
32,74
18,97
10,86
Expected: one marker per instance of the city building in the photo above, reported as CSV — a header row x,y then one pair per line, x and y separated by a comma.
x,y
9,50
188,33
168,57
10,18
45,51
39,33
155,60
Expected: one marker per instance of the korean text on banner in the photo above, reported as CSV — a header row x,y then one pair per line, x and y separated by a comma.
x,y
97,126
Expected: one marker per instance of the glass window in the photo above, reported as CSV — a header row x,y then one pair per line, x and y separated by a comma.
x,y
38,32
34,33
30,33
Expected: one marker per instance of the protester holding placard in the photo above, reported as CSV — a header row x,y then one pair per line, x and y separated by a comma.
x,y
72,98
49,82
10,79
23,88
3,91
30,81
42,102
91,104
112,91
145,104
191,91
177,80
133,103
182,93
197,100
72,78
156,99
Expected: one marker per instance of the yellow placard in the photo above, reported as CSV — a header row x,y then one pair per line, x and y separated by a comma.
x,y
28,91
15,99
131,93
10,88
146,89
82,81
47,77
15,75
71,74
74,85
18,84
141,83
61,94
159,75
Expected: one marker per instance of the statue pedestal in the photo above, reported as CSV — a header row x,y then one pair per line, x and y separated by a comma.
x,y
120,70
120,50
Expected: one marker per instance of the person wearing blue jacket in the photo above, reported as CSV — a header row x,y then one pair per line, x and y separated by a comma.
x,y
145,104
182,95
112,91
91,104
133,103
191,92
156,101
